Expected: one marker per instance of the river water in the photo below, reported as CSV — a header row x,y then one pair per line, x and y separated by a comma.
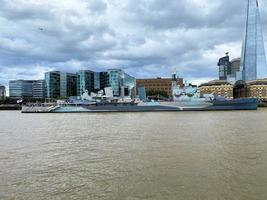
x,y
134,156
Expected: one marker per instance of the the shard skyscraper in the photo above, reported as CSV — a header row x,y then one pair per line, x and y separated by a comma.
x,y
253,60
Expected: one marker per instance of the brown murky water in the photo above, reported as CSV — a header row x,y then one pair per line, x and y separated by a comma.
x,y
187,156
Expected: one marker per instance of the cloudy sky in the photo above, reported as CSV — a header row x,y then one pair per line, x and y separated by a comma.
x,y
147,38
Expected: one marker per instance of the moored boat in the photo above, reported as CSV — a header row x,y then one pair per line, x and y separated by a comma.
x,y
214,105
184,99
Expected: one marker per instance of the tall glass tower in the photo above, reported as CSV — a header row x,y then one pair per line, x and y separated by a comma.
x,y
253,60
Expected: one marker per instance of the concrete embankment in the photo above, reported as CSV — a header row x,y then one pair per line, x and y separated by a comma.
x,y
10,107
263,104
37,109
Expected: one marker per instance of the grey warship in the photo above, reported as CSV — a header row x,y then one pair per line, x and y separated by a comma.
x,y
184,99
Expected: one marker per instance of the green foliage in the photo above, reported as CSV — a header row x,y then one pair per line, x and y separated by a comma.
x,y
61,98
157,93
8,100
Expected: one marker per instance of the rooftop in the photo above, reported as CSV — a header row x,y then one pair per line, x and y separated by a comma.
x,y
258,82
215,83
158,78
236,60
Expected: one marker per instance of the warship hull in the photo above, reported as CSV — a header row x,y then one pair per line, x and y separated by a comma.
x,y
231,105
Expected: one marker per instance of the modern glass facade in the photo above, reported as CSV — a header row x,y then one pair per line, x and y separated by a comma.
x,y
71,85
122,84
235,66
129,85
85,81
20,88
91,81
253,60
142,93
104,80
26,88
60,84
38,89
2,92
63,85
115,81
224,67
97,81
52,84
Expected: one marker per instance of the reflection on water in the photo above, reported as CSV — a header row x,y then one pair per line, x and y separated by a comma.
x,y
193,155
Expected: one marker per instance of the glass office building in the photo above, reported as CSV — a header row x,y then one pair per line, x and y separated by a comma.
x,y
20,88
97,81
63,85
2,92
52,84
27,89
68,84
142,93
38,89
224,67
253,60
115,81
121,83
91,81
85,81
104,80
60,84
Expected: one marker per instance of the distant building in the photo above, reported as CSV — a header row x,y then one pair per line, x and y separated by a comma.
x,y
20,88
52,84
234,71
91,81
251,89
38,89
85,81
142,93
121,83
217,88
68,84
26,89
103,80
224,67
97,86
159,84
60,84
235,66
253,59
2,92
229,70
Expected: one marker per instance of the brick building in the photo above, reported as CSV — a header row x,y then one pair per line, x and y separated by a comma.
x,y
217,88
159,84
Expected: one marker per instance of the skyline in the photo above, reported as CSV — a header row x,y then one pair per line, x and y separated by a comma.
x,y
149,39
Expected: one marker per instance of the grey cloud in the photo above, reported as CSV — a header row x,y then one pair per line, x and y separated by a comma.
x,y
147,38
24,10
161,15
97,6
14,45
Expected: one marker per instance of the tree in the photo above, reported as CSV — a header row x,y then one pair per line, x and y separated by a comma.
x,y
157,94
